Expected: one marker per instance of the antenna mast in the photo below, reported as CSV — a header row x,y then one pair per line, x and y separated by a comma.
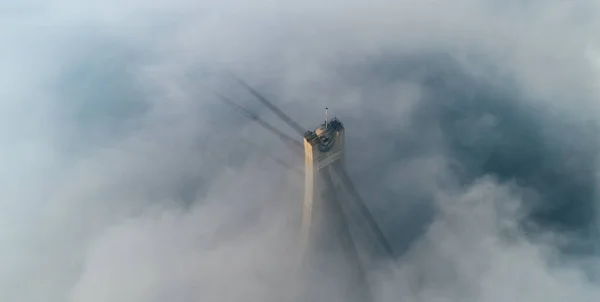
x,y
326,117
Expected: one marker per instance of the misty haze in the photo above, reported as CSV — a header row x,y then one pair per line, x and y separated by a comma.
x,y
470,131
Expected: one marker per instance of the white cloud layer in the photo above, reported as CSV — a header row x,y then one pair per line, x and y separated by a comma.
x,y
123,180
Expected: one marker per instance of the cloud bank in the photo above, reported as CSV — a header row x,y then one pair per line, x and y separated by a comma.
x,y
471,131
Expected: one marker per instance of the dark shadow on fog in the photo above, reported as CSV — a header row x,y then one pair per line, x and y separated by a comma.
x,y
482,126
485,128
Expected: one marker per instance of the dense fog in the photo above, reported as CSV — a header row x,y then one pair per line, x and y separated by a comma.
x,y
470,130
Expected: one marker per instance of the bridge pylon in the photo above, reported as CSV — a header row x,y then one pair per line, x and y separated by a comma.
x,y
330,258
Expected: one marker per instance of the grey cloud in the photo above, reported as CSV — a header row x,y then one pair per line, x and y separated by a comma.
x,y
164,201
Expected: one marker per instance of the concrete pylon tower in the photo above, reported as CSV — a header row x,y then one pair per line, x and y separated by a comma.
x,y
328,249
322,148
